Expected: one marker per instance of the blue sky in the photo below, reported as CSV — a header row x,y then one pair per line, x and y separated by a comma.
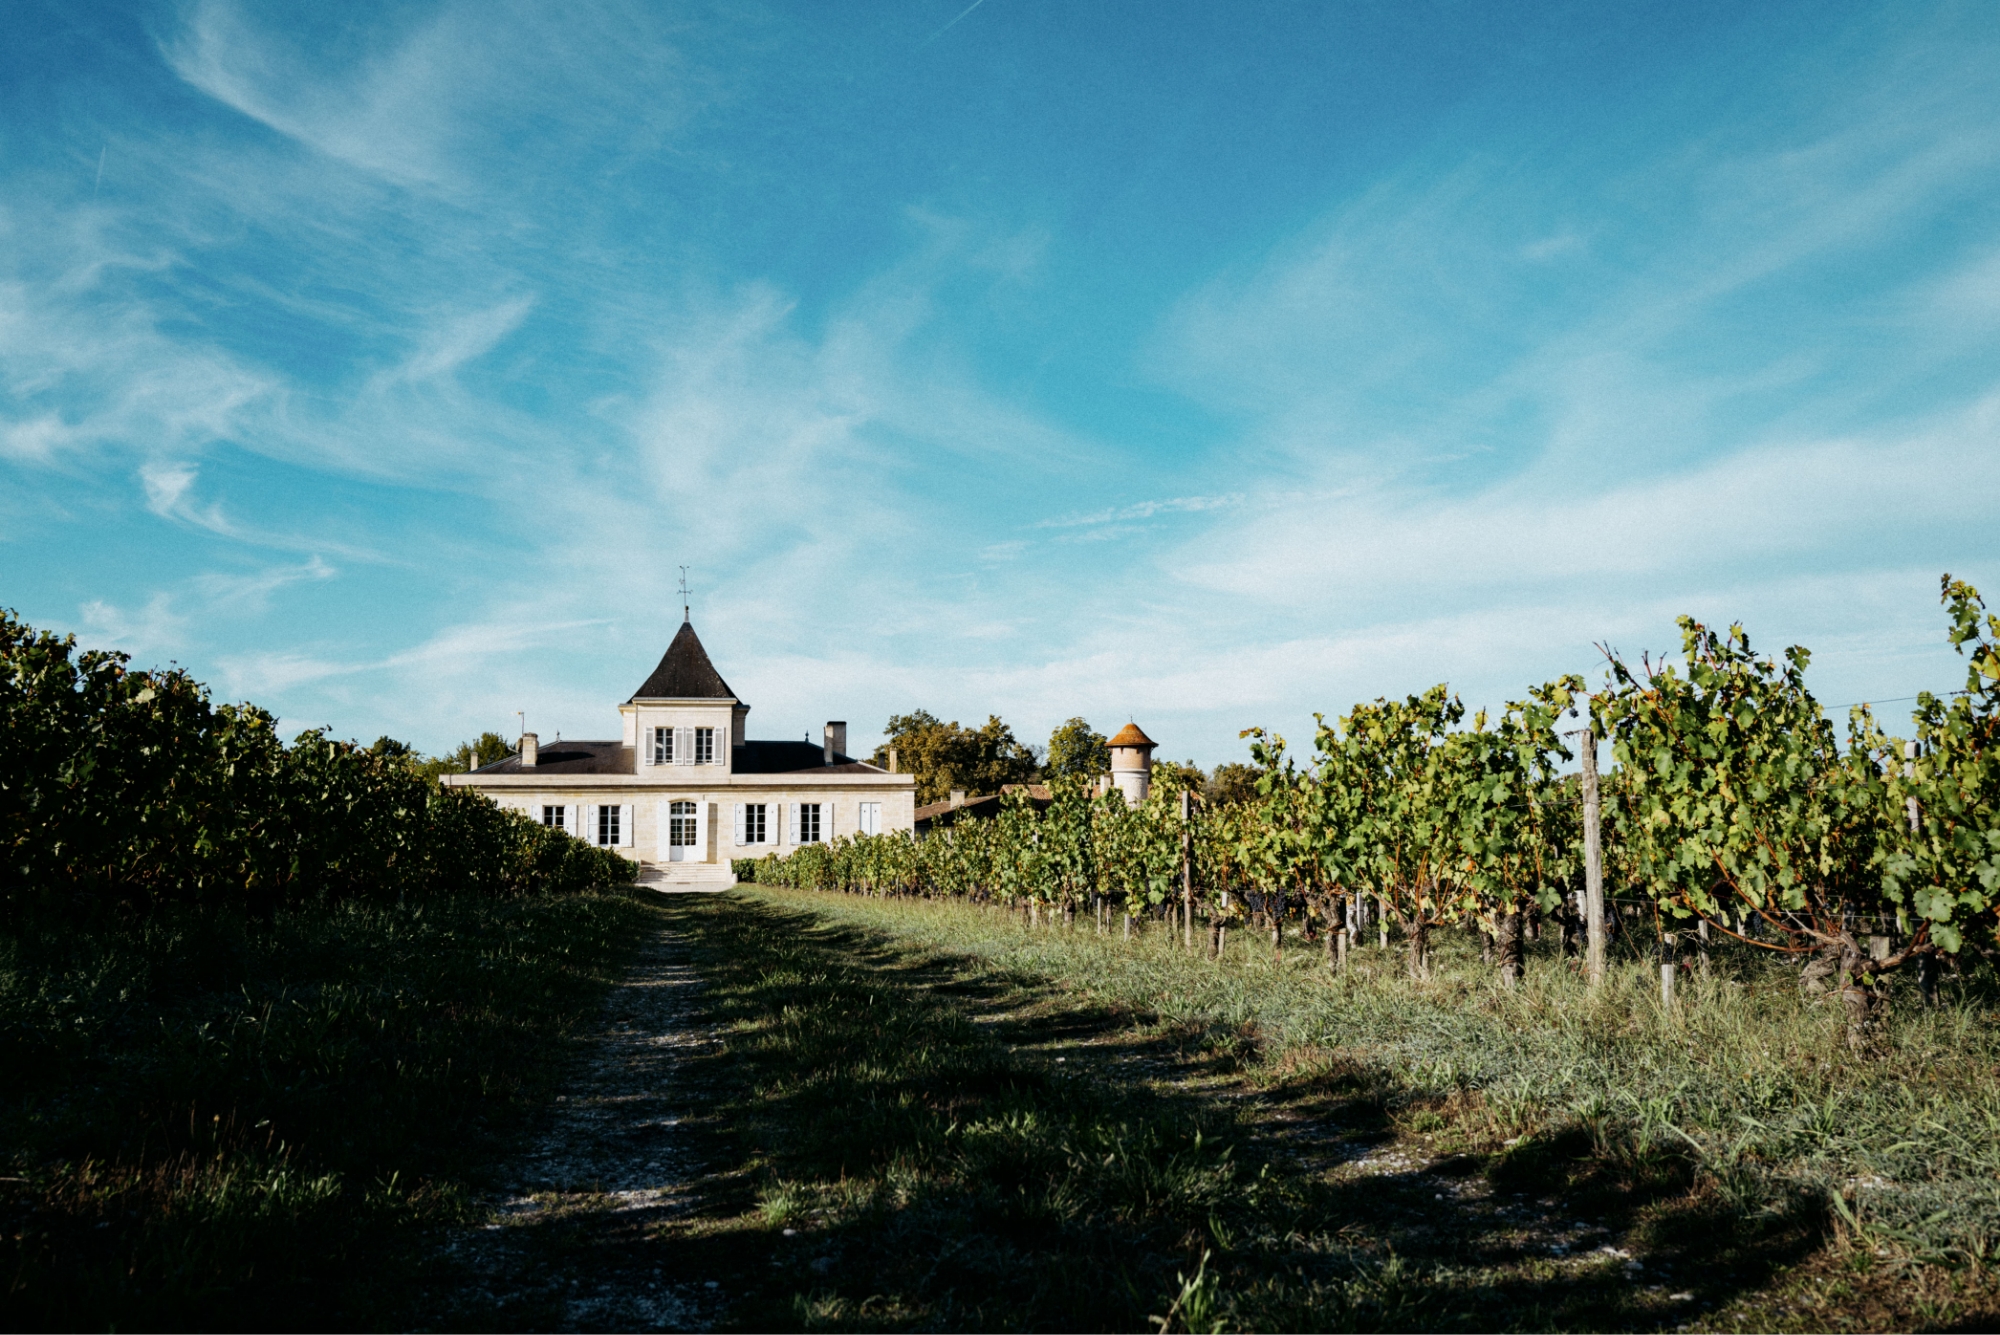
x,y
1208,365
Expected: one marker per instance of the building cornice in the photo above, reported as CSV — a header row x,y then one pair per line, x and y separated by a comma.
x,y
693,783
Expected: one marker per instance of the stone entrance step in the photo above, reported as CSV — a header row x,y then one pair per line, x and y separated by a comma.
x,y
680,877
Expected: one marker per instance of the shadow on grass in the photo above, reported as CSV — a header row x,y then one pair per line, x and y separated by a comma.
x,y
214,1124
904,1138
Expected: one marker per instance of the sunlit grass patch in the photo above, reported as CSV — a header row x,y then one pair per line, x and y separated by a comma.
x,y
959,1056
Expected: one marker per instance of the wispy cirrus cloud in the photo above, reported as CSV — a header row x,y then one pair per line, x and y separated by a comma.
x,y
251,593
1142,510
153,629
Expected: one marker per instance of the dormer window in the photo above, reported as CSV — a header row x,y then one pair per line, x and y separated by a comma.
x,y
683,746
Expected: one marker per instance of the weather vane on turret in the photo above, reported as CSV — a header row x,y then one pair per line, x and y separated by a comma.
x,y
685,615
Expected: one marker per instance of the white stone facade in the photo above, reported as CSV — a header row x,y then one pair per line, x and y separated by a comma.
x,y
683,791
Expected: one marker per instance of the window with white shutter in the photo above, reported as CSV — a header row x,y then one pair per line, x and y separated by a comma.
x,y
663,746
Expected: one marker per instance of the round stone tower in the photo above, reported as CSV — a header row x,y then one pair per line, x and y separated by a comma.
x,y
1132,763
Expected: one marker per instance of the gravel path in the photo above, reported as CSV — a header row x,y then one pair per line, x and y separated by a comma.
x,y
570,1246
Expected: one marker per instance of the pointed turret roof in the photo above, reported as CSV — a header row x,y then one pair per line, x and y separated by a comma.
x,y
1129,735
685,673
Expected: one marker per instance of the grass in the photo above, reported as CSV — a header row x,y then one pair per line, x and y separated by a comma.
x,y
208,1124
927,1115
930,1116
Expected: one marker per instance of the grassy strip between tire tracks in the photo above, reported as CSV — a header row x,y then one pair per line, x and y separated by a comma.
x,y
224,1126
950,1121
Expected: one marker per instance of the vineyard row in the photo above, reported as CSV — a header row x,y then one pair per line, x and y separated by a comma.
x,y
125,790
1732,807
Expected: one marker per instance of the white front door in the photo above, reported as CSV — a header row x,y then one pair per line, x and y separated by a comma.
x,y
680,831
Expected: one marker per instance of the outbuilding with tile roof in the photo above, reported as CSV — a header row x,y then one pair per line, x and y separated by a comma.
x,y
1132,763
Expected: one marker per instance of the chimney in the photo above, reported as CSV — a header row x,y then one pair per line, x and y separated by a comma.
x,y
836,741
530,744
892,761
957,798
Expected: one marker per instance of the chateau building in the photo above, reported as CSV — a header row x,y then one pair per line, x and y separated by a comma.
x,y
682,791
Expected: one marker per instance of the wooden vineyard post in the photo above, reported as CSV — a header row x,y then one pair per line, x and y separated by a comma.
x,y
1187,866
1910,807
1667,969
1593,866
1927,963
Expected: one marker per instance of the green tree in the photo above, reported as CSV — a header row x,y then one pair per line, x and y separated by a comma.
x,y
1175,776
463,759
944,756
1077,751
1231,783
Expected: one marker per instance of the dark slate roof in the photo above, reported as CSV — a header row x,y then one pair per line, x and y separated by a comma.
x,y
944,813
793,758
567,757
938,815
685,673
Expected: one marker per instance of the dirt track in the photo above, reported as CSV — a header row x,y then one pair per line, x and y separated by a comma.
x,y
570,1245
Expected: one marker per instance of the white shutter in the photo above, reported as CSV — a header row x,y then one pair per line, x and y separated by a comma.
x,y
626,833
660,828
826,821
702,812
795,825
740,823
684,746
586,825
